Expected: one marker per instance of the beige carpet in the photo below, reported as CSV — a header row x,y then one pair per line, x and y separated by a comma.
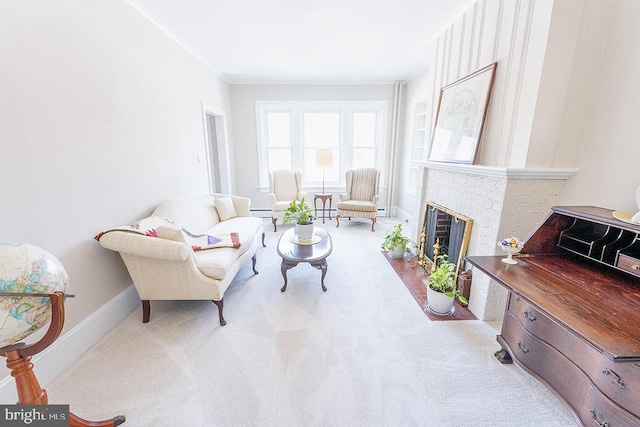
x,y
361,354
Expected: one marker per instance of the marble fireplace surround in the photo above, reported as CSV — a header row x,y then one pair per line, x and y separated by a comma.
x,y
502,202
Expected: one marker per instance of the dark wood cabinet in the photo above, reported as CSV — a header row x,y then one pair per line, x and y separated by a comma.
x,y
572,318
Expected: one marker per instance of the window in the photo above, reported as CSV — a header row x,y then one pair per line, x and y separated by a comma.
x,y
289,133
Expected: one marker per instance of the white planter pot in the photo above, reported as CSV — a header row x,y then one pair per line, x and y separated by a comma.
x,y
397,252
439,303
304,231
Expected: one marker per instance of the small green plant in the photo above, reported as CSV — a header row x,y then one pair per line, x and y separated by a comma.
x,y
298,212
395,238
443,280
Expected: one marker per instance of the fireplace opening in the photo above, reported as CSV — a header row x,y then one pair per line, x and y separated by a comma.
x,y
443,232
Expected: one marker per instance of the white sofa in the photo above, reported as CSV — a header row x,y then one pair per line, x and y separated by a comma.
x,y
165,264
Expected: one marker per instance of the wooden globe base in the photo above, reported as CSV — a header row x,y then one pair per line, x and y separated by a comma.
x,y
19,362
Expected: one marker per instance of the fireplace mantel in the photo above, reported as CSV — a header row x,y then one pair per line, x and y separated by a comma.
x,y
500,172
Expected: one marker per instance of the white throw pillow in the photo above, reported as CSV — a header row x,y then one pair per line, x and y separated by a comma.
x,y
225,208
171,233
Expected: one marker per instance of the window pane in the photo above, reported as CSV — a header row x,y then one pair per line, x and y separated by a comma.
x,y
278,130
363,158
321,130
279,158
364,129
313,173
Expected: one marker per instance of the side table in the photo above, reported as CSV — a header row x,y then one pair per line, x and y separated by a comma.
x,y
324,198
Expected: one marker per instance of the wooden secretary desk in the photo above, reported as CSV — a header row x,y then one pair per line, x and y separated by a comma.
x,y
572,318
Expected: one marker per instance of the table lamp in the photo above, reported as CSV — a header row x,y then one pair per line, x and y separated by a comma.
x,y
324,159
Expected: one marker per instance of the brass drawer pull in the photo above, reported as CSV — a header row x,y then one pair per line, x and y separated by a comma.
x,y
529,315
597,417
616,377
522,348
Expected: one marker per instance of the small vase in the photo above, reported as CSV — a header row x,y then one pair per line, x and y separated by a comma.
x,y
511,251
636,217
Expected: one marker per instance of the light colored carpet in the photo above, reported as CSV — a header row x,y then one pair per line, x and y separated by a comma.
x,y
361,354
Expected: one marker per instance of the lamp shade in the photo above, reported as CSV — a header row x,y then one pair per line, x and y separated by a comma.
x,y
324,158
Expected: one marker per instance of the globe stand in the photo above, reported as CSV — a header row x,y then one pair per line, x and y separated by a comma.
x,y
19,362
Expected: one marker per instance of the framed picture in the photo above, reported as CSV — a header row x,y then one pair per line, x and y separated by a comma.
x,y
461,112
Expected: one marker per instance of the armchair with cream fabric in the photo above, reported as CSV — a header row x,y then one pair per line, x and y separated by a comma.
x,y
361,198
284,186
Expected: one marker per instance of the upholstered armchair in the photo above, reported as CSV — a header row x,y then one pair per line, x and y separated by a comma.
x,y
361,198
284,186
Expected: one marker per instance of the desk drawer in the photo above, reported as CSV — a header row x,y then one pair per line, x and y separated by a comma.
x,y
590,405
620,381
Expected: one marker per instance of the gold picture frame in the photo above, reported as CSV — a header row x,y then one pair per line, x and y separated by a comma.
x,y
461,113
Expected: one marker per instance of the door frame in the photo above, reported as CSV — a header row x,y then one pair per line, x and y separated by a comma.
x,y
220,144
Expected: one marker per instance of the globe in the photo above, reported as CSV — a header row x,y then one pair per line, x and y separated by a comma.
x,y
27,269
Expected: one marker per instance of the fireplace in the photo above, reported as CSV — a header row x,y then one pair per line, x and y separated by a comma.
x,y
443,232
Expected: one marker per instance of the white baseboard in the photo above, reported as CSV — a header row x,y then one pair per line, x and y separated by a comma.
x,y
71,345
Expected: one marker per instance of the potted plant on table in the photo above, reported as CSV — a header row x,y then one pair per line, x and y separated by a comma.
x,y
301,214
442,288
396,243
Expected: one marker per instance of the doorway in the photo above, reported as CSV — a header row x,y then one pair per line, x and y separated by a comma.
x,y
217,150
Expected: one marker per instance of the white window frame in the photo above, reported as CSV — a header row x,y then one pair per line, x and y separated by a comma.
x,y
346,109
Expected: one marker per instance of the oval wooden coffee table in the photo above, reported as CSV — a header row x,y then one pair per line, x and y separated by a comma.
x,y
314,252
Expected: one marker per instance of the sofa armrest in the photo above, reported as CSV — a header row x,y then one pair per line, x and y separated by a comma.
x,y
145,246
344,197
375,199
273,198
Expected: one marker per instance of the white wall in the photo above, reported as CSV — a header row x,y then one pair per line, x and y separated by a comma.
x,y
100,121
608,172
245,131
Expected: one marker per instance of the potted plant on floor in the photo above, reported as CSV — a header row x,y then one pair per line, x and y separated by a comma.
x,y
396,243
442,288
301,214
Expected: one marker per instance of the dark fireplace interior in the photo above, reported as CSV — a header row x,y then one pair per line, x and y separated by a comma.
x,y
450,229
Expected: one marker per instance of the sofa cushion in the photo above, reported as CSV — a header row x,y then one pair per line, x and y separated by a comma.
x,y
225,208
216,263
194,215
245,226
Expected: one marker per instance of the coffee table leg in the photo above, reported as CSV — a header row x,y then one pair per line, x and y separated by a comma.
x,y
283,269
321,265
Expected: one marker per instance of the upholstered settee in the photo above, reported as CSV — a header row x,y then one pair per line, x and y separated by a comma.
x,y
188,249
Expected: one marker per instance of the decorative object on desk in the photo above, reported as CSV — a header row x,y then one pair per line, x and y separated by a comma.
x,y
627,216
511,246
32,292
442,288
302,215
324,159
461,113
396,243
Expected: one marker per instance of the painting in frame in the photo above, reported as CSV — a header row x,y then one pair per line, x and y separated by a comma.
x,y
461,113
